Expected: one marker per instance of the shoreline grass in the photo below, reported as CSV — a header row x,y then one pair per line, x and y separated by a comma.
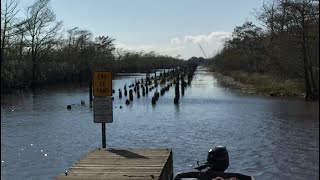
x,y
263,84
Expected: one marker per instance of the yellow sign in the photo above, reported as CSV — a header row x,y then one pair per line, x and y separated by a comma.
x,y
102,83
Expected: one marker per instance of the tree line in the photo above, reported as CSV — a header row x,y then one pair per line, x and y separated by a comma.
x,y
35,50
286,46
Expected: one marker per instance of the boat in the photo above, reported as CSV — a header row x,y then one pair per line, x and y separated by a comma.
x,y
217,163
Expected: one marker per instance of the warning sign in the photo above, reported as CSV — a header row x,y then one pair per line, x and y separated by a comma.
x,y
102,83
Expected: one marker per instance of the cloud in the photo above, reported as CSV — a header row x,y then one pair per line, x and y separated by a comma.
x,y
214,36
186,46
175,41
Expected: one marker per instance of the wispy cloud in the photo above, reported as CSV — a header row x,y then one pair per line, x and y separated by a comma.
x,y
214,36
186,46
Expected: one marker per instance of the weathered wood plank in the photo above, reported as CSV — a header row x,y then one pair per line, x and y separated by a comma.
x,y
115,170
122,164
111,177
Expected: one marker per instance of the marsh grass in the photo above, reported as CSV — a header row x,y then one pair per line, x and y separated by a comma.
x,y
267,84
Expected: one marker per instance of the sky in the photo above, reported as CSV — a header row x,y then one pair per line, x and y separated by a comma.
x,y
169,27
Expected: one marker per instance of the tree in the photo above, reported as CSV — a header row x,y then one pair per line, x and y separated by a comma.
x,y
104,45
7,18
286,49
305,13
42,29
267,16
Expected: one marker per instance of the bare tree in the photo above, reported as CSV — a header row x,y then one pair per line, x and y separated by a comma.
x,y
42,29
267,15
304,14
104,45
7,18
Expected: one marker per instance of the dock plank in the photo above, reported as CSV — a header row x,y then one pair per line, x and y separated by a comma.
x,y
123,164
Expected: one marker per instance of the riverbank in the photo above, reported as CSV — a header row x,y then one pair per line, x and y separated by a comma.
x,y
74,81
254,83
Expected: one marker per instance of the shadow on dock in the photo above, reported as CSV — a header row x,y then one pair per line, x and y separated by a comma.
x,y
127,154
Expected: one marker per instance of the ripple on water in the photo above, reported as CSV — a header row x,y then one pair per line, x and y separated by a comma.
x,y
266,137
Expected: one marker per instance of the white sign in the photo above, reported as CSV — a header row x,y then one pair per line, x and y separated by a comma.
x,y
102,109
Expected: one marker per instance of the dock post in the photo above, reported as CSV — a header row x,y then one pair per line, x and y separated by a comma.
x,y
90,89
103,135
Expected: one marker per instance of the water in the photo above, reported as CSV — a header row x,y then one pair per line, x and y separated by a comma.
x,y
268,138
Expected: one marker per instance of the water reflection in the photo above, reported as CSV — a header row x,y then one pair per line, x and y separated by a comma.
x,y
177,108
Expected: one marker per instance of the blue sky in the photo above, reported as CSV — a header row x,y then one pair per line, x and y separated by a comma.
x,y
172,27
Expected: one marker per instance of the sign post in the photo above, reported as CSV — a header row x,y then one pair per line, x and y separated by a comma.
x,y
102,102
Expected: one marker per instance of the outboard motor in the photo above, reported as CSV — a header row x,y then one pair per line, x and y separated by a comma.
x,y
218,159
217,163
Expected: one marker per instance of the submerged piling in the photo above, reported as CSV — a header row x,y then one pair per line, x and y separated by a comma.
x,y
143,91
176,100
127,102
125,90
182,86
120,94
130,95
153,100
177,92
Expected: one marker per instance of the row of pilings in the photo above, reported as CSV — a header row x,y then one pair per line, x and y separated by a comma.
x,y
179,77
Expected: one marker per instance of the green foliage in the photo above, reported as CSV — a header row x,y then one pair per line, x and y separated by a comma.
x,y
286,49
268,85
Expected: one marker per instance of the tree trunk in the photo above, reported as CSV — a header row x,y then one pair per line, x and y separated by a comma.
x,y
310,86
34,65
308,93
3,41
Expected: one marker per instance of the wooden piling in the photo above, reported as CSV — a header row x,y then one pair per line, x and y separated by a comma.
x,y
120,94
177,92
125,90
130,95
90,92
182,85
143,91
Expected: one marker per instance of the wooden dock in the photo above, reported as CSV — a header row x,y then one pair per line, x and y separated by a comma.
x,y
123,164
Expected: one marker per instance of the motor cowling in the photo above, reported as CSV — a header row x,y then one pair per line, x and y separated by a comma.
x,y
218,159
